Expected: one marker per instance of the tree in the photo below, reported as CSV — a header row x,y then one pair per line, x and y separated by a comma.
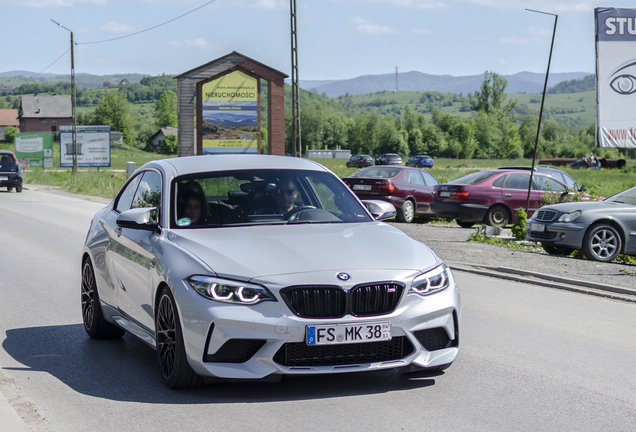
x,y
115,110
9,134
166,110
492,95
168,145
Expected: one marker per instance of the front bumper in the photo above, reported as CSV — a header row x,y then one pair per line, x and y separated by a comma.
x,y
557,234
268,339
461,211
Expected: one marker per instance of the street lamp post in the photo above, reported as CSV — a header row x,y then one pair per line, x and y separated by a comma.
x,y
74,127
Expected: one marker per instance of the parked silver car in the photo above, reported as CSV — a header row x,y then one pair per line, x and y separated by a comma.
x,y
601,230
253,267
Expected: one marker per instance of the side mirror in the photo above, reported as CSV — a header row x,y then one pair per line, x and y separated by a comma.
x,y
139,218
380,210
582,189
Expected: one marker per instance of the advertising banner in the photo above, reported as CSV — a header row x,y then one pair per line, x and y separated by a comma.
x,y
36,145
615,77
229,110
93,146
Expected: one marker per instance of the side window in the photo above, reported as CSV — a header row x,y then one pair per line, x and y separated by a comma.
x,y
416,178
149,191
125,199
429,179
547,183
499,182
517,181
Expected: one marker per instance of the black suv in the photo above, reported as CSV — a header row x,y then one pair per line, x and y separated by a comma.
x,y
553,171
360,161
10,171
389,159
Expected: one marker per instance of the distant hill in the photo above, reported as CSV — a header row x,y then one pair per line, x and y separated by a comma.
x,y
25,74
588,83
83,80
522,82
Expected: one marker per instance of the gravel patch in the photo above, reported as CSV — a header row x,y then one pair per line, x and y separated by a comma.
x,y
450,243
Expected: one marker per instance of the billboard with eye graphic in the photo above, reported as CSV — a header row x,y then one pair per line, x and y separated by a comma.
x,y
615,77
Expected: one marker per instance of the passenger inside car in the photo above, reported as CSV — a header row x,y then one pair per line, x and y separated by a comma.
x,y
192,204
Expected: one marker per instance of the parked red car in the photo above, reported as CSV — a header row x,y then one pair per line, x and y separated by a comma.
x,y
494,196
410,190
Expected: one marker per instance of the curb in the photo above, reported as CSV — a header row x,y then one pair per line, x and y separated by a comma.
x,y
549,281
11,421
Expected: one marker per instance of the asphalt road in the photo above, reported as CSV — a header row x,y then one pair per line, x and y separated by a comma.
x,y
531,358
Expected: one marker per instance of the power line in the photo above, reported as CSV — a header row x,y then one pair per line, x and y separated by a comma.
x,y
148,29
51,63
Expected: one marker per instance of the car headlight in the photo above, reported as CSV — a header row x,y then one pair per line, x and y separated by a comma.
x,y
569,217
229,291
431,282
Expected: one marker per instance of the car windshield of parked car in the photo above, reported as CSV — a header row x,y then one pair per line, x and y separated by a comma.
x,y
474,178
379,172
626,197
262,197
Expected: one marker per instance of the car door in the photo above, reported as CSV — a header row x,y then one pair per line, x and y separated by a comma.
x,y
133,256
422,192
514,192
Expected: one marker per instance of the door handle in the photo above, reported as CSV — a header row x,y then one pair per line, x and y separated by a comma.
x,y
508,195
118,231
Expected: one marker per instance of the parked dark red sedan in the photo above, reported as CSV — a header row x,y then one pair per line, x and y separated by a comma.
x,y
494,196
410,190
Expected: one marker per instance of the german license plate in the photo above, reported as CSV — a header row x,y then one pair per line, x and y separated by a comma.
x,y
537,227
5,178
362,187
348,333
444,194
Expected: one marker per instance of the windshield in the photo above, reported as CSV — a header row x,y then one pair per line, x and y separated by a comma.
x,y
626,197
474,177
262,197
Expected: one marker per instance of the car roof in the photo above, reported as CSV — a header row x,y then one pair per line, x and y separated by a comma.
x,y
6,152
228,162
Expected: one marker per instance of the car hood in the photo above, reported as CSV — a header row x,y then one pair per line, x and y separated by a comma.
x,y
259,251
585,206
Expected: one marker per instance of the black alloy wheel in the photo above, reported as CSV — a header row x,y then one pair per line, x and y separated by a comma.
x,y
175,369
94,323
602,242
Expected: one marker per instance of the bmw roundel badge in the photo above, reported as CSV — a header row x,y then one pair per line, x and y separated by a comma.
x,y
343,276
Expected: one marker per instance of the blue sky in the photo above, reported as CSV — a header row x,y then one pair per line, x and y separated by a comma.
x,y
337,39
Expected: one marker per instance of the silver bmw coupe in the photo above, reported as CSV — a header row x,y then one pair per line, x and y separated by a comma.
x,y
254,267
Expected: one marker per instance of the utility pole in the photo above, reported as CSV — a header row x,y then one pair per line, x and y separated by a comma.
x,y
74,124
296,143
397,87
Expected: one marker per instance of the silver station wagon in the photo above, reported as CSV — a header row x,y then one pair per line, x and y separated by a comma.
x,y
253,267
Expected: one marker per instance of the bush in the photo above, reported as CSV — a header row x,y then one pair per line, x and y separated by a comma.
x,y
519,227
9,134
169,145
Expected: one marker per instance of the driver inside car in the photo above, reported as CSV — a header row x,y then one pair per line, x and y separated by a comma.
x,y
286,194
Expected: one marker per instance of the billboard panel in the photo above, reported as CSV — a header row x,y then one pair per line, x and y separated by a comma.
x,y
229,113
615,77
34,145
93,147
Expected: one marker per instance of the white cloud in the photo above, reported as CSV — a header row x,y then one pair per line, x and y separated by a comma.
x,y
117,28
270,4
364,26
514,40
51,4
503,61
199,43
414,4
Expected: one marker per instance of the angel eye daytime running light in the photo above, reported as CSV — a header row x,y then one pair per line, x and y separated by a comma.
x,y
229,292
431,282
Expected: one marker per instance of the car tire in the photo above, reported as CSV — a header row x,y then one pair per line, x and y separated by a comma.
x,y
464,224
173,362
602,242
9,189
497,216
95,324
18,189
557,250
407,212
